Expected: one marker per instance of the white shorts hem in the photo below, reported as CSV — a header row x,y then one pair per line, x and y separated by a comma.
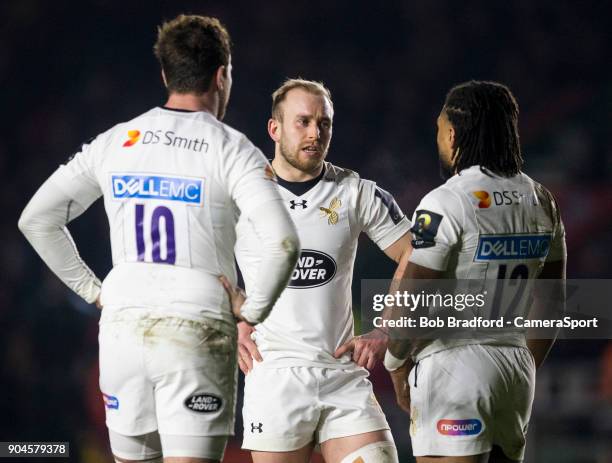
x,y
337,430
130,432
451,449
276,444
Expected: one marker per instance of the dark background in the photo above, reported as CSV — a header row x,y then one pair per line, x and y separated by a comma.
x,y
69,71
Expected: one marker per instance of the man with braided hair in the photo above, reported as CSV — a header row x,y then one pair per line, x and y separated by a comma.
x,y
470,399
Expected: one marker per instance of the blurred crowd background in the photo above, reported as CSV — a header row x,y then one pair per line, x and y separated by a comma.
x,y
70,70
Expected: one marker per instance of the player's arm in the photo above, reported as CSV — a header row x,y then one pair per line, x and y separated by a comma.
x,y
382,220
541,306
436,227
61,198
400,251
549,295
254,190
397,358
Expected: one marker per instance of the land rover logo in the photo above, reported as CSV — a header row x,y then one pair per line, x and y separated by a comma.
x,y
314,268
203,403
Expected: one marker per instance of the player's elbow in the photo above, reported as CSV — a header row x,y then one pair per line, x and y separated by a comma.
x,y
291,247
284,249
26,222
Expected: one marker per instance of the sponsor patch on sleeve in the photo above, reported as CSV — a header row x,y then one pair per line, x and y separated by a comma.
x,y
394,211
425,228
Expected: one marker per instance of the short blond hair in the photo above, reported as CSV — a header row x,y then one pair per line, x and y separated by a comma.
x,y
311,86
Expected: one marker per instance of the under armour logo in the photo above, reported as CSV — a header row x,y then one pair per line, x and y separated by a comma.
x,y
258,427
293,204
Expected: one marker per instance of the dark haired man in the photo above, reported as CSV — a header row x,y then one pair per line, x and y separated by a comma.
x,y
174,180
311,387
470,399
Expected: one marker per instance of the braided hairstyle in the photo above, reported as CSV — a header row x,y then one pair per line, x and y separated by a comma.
x,y
485,118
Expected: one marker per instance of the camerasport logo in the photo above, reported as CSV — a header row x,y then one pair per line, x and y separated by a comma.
x,y
459,427
314,268
204,403
133,137
110,402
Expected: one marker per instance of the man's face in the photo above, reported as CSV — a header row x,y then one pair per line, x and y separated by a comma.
x,y
305,131
227,89
445,139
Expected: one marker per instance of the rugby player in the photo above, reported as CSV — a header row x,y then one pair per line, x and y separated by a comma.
x,y
174,180
470,399
308,385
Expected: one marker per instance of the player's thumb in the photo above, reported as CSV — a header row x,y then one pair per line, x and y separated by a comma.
x,y
344,348
229,289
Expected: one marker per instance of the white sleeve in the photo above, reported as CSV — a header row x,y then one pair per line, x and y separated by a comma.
x,y
379,215
249,177
438,223
77,177
43,222
281,248
253,188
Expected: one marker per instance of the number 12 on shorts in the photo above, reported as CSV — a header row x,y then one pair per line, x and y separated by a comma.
x,y
161,239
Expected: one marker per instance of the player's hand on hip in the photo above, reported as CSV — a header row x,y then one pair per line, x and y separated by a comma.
x,y
236,296
399,378
247,349
367,349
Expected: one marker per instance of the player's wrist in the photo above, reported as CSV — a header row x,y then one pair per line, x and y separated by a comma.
x,y
384,331
393,363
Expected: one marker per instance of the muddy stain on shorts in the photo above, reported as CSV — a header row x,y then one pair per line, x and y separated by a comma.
x,y
188,334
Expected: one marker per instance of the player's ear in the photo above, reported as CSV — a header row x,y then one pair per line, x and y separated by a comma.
x,y
220,77
451,136
274,129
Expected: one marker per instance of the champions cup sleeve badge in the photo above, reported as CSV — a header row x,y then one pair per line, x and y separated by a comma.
x,y
330,213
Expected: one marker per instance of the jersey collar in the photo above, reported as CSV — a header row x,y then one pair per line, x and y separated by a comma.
x,y
299,188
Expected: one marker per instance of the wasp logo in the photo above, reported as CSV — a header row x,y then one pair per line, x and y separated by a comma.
x,y
484,199
133,137
330,212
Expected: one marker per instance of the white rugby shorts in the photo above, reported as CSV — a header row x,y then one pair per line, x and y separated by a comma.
x,y
169,374
287,408
466,399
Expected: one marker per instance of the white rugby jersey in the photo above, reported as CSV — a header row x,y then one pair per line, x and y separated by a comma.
x,y
479,226
173,184
313,316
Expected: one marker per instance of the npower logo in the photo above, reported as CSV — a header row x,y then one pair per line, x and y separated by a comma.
x,y
459,427
133,137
